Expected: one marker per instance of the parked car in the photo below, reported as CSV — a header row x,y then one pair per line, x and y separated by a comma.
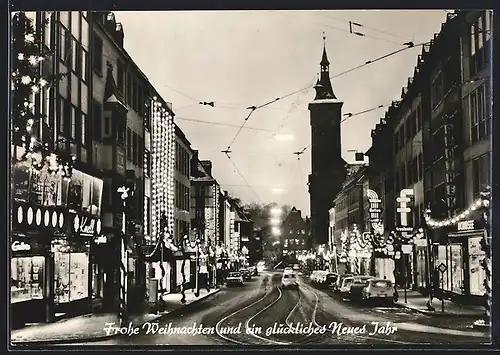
x,y
340,279
321,278
234,278
288,270
357,286
314,276
254,270
289,281
246,273
331,280
345,286
379,289
296,267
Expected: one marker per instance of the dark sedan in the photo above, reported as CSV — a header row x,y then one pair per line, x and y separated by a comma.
x,y
357,286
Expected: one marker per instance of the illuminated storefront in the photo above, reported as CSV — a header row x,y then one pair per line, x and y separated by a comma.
x,y
55,224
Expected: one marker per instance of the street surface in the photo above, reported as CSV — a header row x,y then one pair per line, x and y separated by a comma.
x,y
263,303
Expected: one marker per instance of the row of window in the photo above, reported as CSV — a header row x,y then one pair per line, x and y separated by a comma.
x,y
72,53
409,129
135,148
445,80
182,159
72,122
182,196
409,173
480,43
481,171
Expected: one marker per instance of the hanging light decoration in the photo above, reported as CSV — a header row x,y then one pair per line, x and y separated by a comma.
x,y
477,204
27,82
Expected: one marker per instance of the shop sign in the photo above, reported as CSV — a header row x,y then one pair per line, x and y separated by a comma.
x,y
449,143
374,210
102,239
403,209
20,246
86,226
466,225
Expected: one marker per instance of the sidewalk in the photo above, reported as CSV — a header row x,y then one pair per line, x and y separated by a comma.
x,y
90,327
418,302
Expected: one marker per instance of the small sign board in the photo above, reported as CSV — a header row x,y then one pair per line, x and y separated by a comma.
x,y
421,242
442,268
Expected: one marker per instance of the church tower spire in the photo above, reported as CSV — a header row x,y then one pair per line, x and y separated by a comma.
x,y
324,87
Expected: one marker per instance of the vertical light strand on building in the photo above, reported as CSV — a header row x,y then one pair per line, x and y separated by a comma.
x,y
123,269
171,160
154,171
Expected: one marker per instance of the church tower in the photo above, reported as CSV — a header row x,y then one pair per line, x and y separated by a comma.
x,y
328,169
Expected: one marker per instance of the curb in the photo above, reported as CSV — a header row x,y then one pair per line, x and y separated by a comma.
x,y
437,313
103,337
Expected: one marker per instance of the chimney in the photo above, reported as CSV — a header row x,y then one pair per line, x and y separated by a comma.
x,y
169,105
119,35
207,165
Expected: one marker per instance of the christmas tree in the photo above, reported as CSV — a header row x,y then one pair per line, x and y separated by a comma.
x,y
27,81
486,262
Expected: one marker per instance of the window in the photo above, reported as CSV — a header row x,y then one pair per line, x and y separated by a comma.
x,y
73,123
75,57
147,162
401,137
140,150
47,31
479,121
480,42
64,44
480,174
84,65
134,148
418,114
83,129
437,90
27,278
97,54
129,144
396,141
97,113
129,90
71,272
120,82
75,24
107,125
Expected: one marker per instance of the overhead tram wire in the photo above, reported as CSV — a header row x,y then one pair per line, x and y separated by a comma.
x,y
360,25
221,124
350,31
348,115
243,177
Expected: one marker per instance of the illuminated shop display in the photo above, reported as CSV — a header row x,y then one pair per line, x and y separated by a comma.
x,y
162,168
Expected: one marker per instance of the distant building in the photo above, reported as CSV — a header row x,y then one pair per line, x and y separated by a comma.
x,y
294,237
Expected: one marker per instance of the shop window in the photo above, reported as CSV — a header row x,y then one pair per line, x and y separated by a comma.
x,y
26,280
477,274
97,281
455,266
47,30
71,271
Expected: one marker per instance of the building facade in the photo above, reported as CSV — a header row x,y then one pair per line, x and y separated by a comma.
x,y
328,167
57,205
183,154
294,237
441,146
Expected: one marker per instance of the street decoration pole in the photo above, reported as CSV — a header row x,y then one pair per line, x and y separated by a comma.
x,y
124,194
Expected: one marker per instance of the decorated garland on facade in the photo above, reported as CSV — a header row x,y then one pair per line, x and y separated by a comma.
x,y
27,81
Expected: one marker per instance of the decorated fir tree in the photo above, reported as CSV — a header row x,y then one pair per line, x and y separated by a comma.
x,y
27,82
